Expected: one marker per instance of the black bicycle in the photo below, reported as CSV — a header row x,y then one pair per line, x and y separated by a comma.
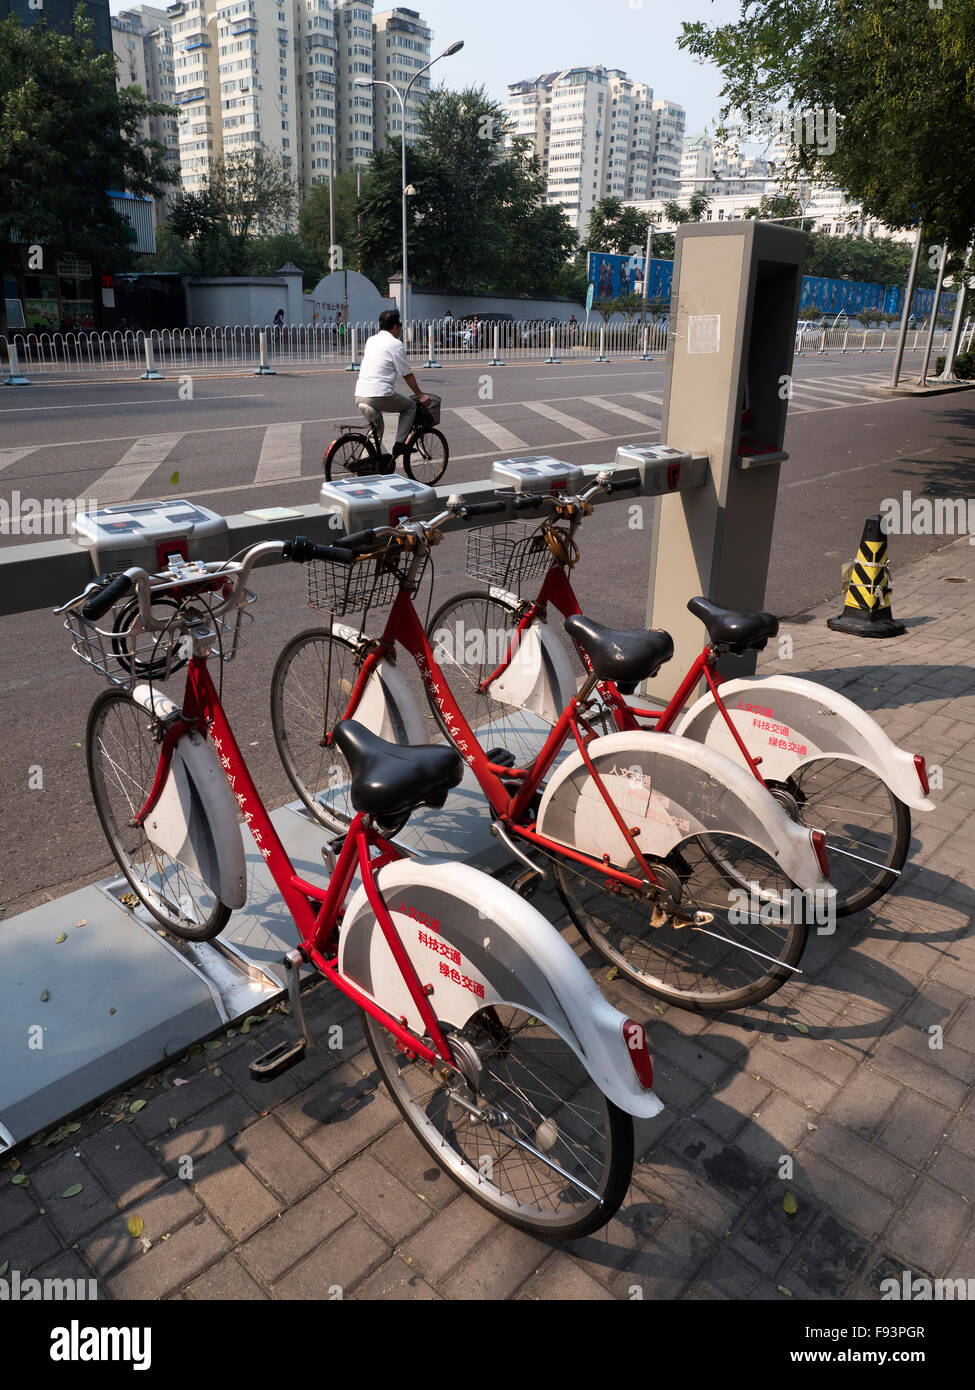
x,y
356,453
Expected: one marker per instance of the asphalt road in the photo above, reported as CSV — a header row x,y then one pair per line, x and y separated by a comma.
x,y
246,441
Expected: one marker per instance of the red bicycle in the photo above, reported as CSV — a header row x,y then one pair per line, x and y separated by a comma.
x,y
825,760
500,1052
651,838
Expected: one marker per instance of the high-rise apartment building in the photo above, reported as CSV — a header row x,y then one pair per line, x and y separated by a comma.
x,y
143,48
401,46
354,106
597,134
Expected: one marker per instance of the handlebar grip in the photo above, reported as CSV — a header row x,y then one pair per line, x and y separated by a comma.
x,y
359,540
527,504
625,483
483,508
301,550
98,606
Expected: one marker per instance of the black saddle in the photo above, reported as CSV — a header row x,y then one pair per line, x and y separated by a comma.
x,y
621,657
732,630
389,780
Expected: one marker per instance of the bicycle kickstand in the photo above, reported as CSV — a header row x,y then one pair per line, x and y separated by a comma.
x,y
285,1054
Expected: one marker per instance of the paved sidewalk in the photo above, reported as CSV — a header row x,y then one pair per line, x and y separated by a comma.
x,y
312,1187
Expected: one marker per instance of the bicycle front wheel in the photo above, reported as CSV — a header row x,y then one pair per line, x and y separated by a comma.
x,y
426,459
743,947
868,828
526,1087
310,689
123,755
349,456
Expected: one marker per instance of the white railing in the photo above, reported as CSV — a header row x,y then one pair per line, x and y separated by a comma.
x,y
815,339
235,348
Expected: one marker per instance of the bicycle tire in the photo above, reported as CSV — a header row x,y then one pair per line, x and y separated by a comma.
x,y
555,1114
304,709
432,464
724,975
454,632
122,756
349,456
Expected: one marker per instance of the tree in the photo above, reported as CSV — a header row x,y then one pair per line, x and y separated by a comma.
x,y
774,207
267,254
898,78
614,228
244,194
313,220
880,260
67,136
697,207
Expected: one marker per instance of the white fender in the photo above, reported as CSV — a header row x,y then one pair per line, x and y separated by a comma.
x,y
477,943
669,788
788,721
195,819
540,678
387,706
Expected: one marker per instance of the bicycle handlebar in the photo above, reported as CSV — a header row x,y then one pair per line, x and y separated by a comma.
x,y
98,606
301,550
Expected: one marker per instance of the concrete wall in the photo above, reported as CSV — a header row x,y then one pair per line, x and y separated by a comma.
x,y
237,301
427,304
344,292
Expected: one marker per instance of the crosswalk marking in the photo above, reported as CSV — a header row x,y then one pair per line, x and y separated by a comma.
x,y
604,404
122,481
568,422
648,396
9,456
280,453
827,396
497,434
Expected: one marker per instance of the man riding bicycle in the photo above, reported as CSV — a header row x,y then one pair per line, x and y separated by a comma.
x,y
383,360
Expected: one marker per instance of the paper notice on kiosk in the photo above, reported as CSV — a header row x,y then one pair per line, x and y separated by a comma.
x,y
703,332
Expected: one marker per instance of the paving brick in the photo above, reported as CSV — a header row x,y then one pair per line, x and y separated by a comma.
x,y
225,1281
162,1211
347,1132
561,1279
400,1151
851,1202
379,1196
179,1103
71,1216
779,1127
730,1109
961,1031
271,1153
340,1087
122,1162
449,1238
720,1164
955,1171
17,1206
784,1072
961,1135
663,1267
963,1266
205,1132
29,1246
399,1281
918,1044
931,1227
690,1054
171,1264
344,1260
231,1192
863,1160
914,1129
766,1235
864,1101
724,1276
921,1076
262,1095
67,1265
298,1230
833,1062
503,1263
671,1189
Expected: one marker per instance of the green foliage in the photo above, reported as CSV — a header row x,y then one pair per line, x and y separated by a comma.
x,y
696,210
774,207
614,228
964,368
266,255
899,77
313,220
67,135
245,194
877,259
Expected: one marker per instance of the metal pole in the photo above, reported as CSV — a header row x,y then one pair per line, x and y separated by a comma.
x,y
934,313
331,205
406,276
909,295
951,352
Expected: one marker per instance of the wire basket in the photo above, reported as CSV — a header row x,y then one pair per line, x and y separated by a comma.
x,y
371,582
126,654
427,415
508,555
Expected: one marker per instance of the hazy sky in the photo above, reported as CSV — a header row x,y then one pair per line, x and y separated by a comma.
x,y
508,40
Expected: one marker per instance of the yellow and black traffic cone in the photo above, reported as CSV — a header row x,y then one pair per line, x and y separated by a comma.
x,y
866,612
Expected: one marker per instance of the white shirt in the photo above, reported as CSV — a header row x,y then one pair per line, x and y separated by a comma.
x,y
383,359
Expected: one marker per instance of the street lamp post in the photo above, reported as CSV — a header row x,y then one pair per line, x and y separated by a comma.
x,y
402,99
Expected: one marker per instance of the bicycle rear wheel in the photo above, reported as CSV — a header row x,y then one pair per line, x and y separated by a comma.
x,y
749,947
123,755
349,456
426,459
519,1065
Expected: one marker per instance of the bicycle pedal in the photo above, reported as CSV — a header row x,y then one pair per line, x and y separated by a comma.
x,y
277,1060
503,757
526,884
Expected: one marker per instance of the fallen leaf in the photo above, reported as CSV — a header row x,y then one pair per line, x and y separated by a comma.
x,y
180,1081
174,478
782,1289
82,923
20,1179
147,1244
173,1122
136,1106
212,1045
73,1190
789,1204
112,1010
4,1267
612,972
799,1027
45,996
59,939
136,1226
810,1125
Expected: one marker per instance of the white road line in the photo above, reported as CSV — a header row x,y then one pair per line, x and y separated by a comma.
x,y
568,422
648,396
581,376
9,456
844,385
857,468
280,453
497,434
604,404
820,397
122,481
97,405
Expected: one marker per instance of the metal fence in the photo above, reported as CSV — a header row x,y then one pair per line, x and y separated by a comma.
x,y
234,348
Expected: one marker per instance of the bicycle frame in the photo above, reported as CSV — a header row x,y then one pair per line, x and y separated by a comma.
x,y
404,627
316,911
